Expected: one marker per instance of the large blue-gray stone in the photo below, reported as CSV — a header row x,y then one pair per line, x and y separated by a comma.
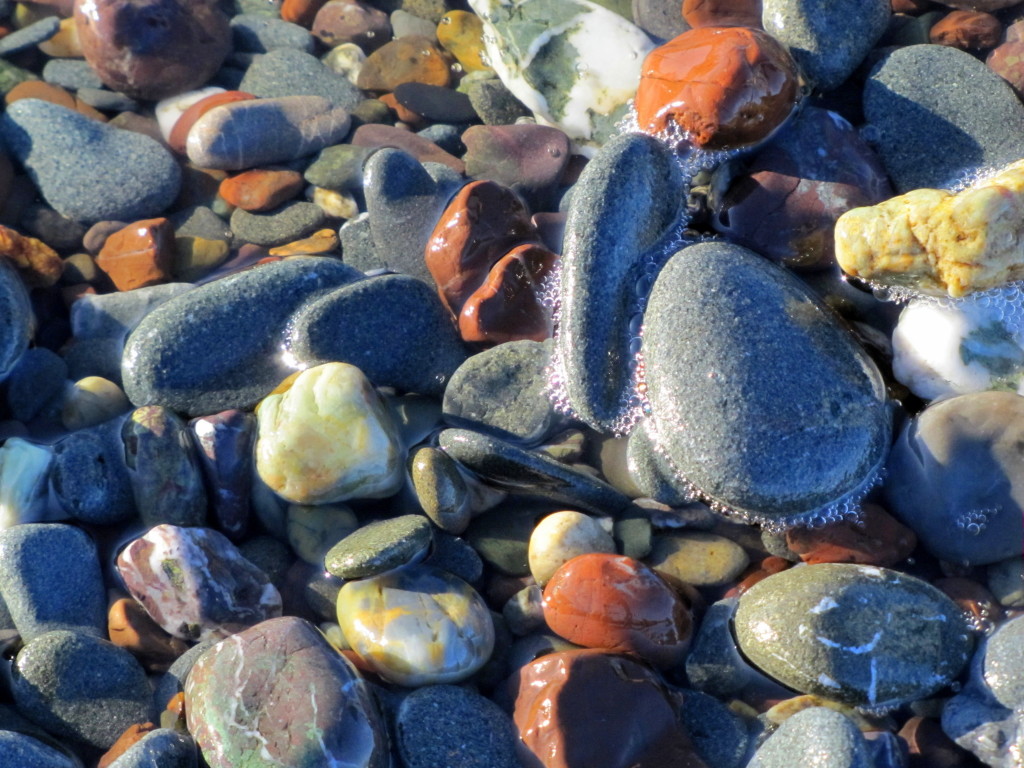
x,y
87,170
291,72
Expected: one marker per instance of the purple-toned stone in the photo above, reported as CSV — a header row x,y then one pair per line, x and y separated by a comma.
x,y
223,444
1007,60
151,49
195,583
785,206
378,136
165,475
279,694
529,158
352,21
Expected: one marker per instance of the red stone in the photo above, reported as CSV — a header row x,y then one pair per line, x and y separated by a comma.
x,y
756,573
586,708
179,133
726,87
261,189
141,254
722,13
151,49
301,12
876,539
967,30
131,628
1007,60
608,601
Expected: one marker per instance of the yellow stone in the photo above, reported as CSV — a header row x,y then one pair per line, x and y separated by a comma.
x,y
328,437
321,241
340,205
934,241
195,257
65,44
697,558
462,34
785,709
91,401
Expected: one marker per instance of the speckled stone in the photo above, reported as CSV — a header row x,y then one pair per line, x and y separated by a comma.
x,y
321,711
58,672
195,584
697,558
440,489
325,435
817,736
874,637
89,476
17,323
254,33
290,72
417,625
720,736
37,378
120,175
175,356
380,546
278,226
24,751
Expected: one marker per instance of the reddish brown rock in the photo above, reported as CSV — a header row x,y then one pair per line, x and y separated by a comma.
x,y
988,6
412,59
352,21
978,604
722,13
37,89
618,603
912,7
301,12
529,158
378,136
141,254
756,573
402,113
1007,60
36,262
876,539
124,742
131,628
261,189
725,87
586,708
967,30
179,133
151,49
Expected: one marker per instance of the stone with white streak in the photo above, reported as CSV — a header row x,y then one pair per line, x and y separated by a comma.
x,y
573,63
195,583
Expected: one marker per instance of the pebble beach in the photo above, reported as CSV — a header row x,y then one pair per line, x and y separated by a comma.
x,y
512,384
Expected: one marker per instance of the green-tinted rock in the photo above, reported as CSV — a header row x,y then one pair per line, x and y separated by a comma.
x,y
379,546
339,167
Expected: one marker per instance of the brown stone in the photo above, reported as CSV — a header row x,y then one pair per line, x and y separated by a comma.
x,y
261,189
301,12
352,21
131,628
378,136
124,742
722,13
725,87
141,254
975,600
179,133
1007,60
404,114
412,59
988,6
321,241
36,262
607,601
876,539
912,7
151,49
586,708
967,30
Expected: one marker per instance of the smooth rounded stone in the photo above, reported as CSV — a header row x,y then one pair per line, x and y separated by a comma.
x,y
861,635
660,19
387,136
910,109
649,472
818,736
36,379
404,204
17,321
282,225
590,707
380,546
351,21
71,74
719,735
508,467
875,538
256,132
20,750
560,537
339,168
89,477
1006,581
290,72
80,687
827,39
954,475
24,470
529,158
30,36
501,391
320,711
255,33
195,583
223,443
455,727
440,489
574,64
325,435
967,30
434,102
771,409
120,175
177,356
175,45
524,611
453,554
697,558
625,210
160,748
91,401
417,625
422,349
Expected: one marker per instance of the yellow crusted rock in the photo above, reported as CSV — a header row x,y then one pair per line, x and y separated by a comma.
x,y
934,241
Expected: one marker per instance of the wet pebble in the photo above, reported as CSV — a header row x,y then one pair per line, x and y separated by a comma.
x,y
27,752
817,734
875,538
223,443
255,33
528,158
380,546
560,537
698,558
16,319
412,59
440,489
160,748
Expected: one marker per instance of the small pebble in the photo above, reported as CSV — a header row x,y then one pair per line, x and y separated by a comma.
x,y
560,537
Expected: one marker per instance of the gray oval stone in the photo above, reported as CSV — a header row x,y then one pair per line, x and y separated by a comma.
x,y
16,318
218,346
865,636
816,736
380,546
760,399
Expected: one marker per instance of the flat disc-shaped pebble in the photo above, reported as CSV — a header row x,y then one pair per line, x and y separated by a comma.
x,y
760,398
417,625
380,546
865,636
279,694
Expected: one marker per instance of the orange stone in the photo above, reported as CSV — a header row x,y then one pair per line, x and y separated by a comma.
x,y
131,628
876,539
321,241
138,255
412,59
614,602
404,114
261,189
301,12
124,742
722,13
36,262
967,30
173,715
188,118
37,89
725,87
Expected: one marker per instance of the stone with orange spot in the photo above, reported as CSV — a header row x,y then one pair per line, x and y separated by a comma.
x,y
301,12
321,241
261,189
724,87
876,538
967,30
140,254
462,34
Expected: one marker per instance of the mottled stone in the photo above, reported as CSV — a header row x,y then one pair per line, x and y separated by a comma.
x,y
412,59
818,735
339,167
351,21
570,712
953,478
560,537
325,435
223,443
380,546
417,625
89,477
319,711
195,584
461,33
967,30
697,558
872,637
